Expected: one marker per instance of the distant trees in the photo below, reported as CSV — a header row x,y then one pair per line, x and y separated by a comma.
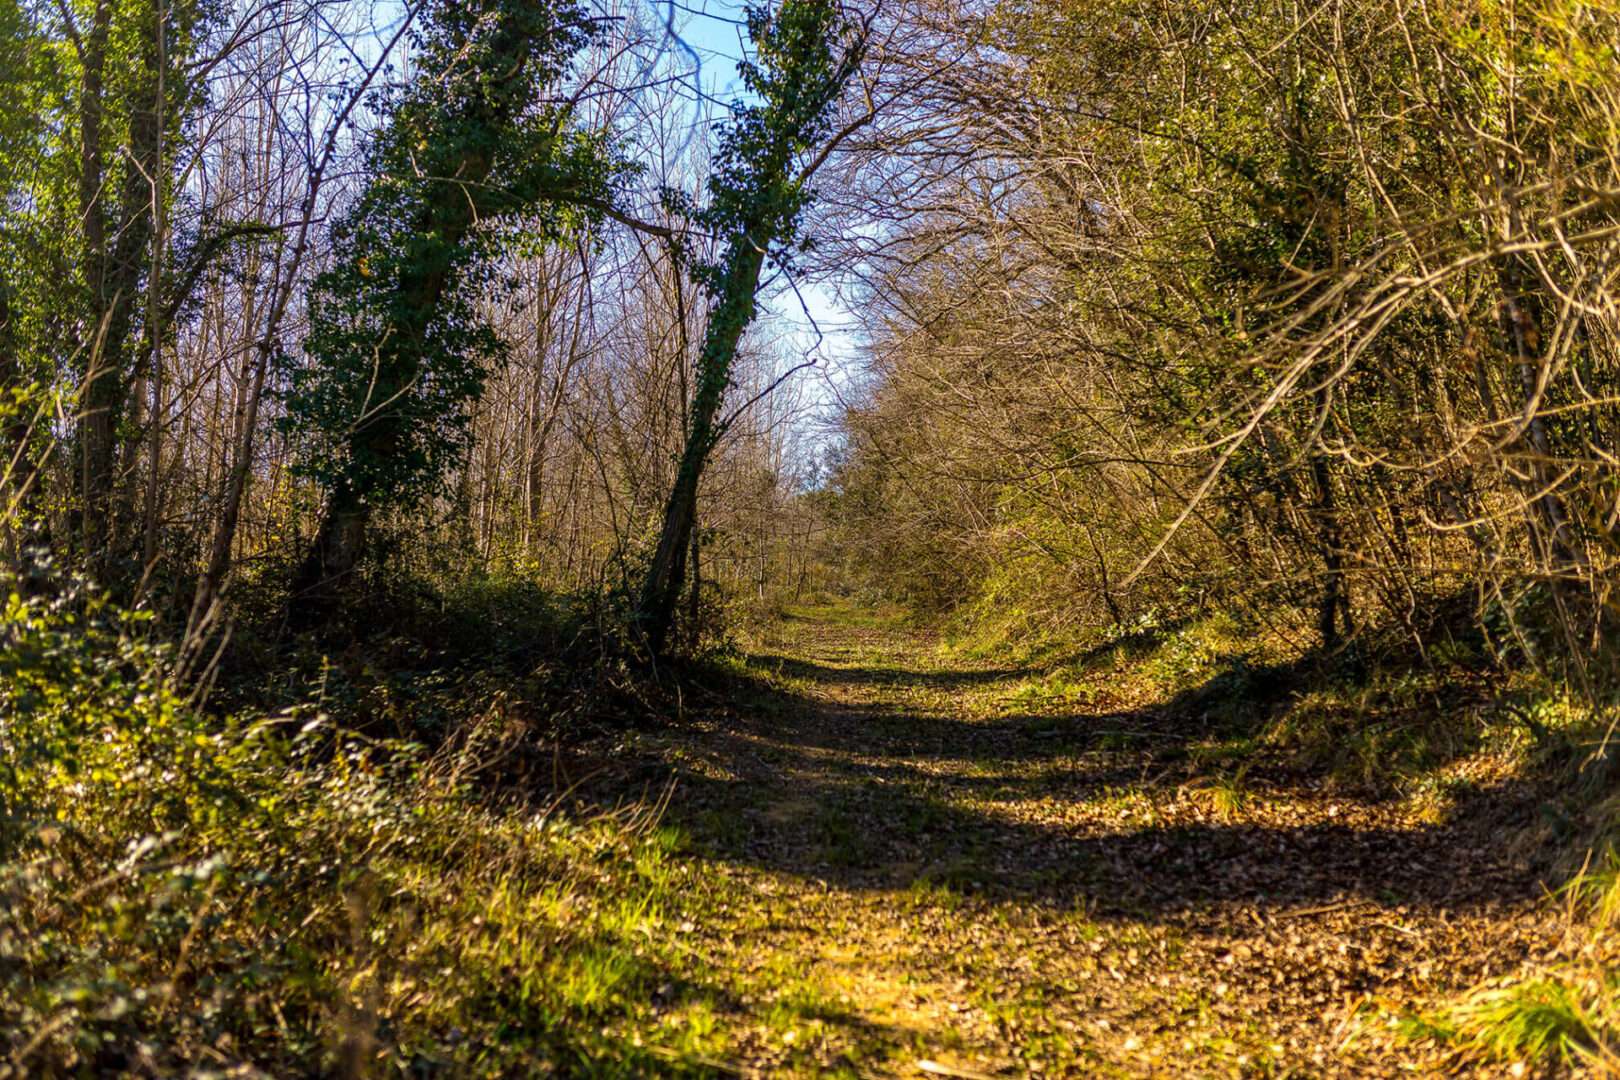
x,y
134,97
1309,312
132,207
279,278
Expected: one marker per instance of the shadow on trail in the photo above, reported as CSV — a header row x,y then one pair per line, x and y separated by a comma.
x,y
884,794
795,667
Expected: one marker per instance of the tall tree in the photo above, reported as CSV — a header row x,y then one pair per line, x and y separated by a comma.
x,y
804,54
134,95
22,136
396,349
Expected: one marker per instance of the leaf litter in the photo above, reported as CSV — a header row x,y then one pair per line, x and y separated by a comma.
x,y
905,875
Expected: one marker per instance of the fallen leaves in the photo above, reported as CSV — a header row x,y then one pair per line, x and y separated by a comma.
x,y
910,877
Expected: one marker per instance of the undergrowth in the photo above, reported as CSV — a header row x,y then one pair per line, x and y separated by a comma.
x,y
414,657
276,894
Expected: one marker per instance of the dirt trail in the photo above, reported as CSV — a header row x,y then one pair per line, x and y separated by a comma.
x,y
909,867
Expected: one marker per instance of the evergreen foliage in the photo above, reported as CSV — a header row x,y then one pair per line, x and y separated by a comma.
x,y
471,155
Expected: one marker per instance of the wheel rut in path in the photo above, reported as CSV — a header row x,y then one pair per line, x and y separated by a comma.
x,y
927,870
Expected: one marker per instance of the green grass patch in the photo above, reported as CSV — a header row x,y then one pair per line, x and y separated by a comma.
x,y
275,894
1535,1020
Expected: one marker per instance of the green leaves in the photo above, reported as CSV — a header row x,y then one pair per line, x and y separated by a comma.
x,y
397,347
797,73
267,893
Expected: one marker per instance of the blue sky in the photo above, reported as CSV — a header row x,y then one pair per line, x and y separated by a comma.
x,y
709,28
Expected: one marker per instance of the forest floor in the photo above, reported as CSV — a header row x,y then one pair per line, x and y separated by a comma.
x,y
897,862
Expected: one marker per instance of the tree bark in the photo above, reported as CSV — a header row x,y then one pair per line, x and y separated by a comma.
x,y
330,561
661,590
1335,602
114,265
1522,317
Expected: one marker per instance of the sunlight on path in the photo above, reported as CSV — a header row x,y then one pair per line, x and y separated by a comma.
x,y
908,867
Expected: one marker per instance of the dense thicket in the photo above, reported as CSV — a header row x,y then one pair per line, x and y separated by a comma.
x,y
1288,308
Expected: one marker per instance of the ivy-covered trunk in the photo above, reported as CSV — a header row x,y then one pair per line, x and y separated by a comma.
x,y
661,591
333,554
397,346
757,194
379,432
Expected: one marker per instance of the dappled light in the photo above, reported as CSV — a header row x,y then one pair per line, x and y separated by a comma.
x,y
857,538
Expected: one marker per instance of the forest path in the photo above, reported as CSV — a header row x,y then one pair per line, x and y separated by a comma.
x,y
905,868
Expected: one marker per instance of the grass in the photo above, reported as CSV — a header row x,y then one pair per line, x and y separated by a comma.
x,y
929,892
484,950
1054,688
1567,1013
1229,795
1535,1020
846,616
1381,732
275,893
302,899
358,928
1594,894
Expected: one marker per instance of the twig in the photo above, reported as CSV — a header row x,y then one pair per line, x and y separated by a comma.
x,y
1323,909
717,1064
934,1068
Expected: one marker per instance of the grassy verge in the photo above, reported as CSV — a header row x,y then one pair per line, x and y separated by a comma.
x,y
272,895
1561,1010
1427,733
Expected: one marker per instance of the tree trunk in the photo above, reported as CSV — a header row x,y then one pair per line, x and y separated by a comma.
x,y
152,511
94,469
16,470
694,601
330,561
341,539
661,590
1335,602
1522,316
114,274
